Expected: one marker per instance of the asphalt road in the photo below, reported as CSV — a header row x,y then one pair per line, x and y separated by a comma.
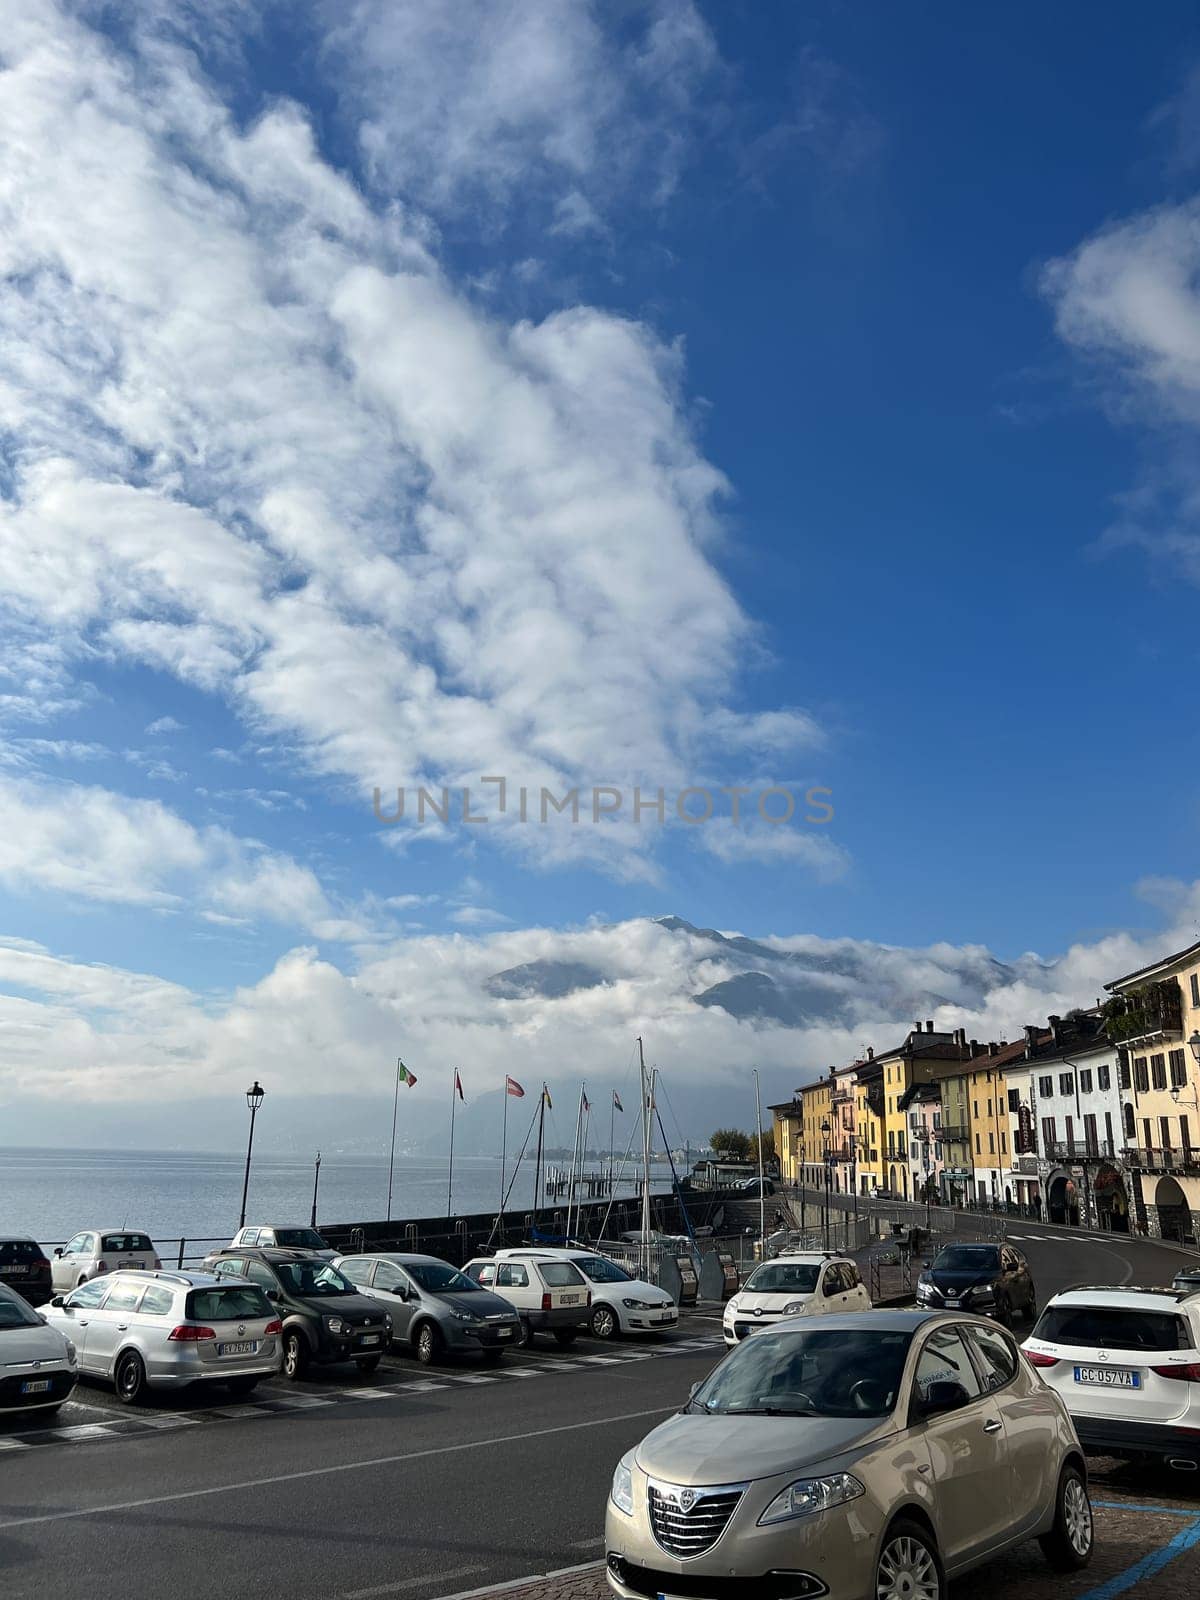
x,y
416,1483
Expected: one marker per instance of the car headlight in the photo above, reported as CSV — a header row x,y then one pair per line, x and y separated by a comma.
x,y
638,1305
794,1308
621,1493
466,1316
72,1354
807,1495
732,1307
336,1326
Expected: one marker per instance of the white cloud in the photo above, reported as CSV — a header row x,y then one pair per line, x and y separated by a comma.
x,y
110,1035
262,444
163,725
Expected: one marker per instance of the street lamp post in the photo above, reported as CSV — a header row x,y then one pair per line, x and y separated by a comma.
x,y
828,1174
854,1171
316,1181
925,1142
254,1098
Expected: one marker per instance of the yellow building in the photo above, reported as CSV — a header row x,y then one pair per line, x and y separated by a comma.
x,y
923,1057
816,1134
786,1121
868,1125
1154,1018
987,1097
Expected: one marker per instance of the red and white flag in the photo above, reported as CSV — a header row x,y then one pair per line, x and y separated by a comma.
x,y
587,1104
511,1086
457,1084
617,1103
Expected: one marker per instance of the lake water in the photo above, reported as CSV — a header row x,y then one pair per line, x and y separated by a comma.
x,y
52,1194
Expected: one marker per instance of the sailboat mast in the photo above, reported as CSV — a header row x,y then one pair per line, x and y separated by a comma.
x,y
647,1095
537,1169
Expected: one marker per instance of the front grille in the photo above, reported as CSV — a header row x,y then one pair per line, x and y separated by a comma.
x,y
684,1529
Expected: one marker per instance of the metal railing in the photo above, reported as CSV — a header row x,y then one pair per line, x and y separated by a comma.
x,y
1158,1159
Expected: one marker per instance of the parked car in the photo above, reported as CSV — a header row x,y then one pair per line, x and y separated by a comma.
x,y
621,1303
752,1188
325,1318
991,1279
25,1267
801,1283
547,1294
37,1363
1126,1362
99,1250
927,1447
435,1308
1187,1278
163,1330
286,1236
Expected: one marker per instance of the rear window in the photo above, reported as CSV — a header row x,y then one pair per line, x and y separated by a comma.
x,y
121,1242
19,1252
1112,1328
300,1239
559,1274
241,1301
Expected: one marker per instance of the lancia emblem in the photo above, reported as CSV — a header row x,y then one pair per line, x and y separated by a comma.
x,y
687,1499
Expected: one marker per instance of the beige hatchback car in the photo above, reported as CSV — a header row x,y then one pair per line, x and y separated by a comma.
x,y
876,1454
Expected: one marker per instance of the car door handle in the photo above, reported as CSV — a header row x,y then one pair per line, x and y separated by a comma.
x,y
992,1427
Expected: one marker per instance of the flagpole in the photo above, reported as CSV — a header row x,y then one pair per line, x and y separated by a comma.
x,y
450,1185
612,1136
392,1157
503,1153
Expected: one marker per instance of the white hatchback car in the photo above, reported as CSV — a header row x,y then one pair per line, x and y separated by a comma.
x,y
620,1303
548,1294
37,1364
99,1250
1127,1364
803,1283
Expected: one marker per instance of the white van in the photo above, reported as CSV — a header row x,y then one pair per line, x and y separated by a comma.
x,y
547,1293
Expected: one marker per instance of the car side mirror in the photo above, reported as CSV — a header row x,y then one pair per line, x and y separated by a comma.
x,y
58,1250
271,1294
927,1262
693,1391
59,1303
942,1396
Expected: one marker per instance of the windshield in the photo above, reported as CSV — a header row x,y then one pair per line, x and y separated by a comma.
x,y
601,1271
300,1239
439,1277
967,1258
14,1313
313,1278
820,1372
784,1277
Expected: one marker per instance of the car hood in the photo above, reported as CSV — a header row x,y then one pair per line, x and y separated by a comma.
x,y
958,1278
635,1289
46,1343
772,1300
481,1303
354,1307
694,1449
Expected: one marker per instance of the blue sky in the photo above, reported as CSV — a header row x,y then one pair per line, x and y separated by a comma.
x,y
744,394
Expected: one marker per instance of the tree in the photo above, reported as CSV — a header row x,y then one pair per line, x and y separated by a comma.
x,y
768,1146
731,1142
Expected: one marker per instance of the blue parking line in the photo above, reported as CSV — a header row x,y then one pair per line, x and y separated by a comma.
x,y
1148,1565
1161,1511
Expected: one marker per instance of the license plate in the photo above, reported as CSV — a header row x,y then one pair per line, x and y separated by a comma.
x,y
666,1317
13,1272
37,1386
1109,1377
952,1300
245,1347
369,1338
569,1300
504,1333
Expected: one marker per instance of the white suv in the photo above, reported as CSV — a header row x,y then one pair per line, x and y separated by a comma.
x,y
1127,1364
802,1283
620,1303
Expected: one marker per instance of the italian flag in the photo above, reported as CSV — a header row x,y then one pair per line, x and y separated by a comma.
x,y
407,1078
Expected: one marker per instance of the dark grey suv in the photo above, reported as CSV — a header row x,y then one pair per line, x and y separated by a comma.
x,y
325,1318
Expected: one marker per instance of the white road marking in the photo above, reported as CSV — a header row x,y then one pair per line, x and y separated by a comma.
x,y
327,1472
408,1583
521,1583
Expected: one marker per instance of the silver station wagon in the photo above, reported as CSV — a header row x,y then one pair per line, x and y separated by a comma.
x,y
162,1330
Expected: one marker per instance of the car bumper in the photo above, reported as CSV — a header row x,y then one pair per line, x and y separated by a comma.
x,y
34,1291
647,1321
495,1336
558,1317
187,1367
831,1553
1104,1436
62,1381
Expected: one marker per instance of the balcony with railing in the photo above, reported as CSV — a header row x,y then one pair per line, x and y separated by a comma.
x,y
953,1129
1149,1015
1081,1150
1156,1159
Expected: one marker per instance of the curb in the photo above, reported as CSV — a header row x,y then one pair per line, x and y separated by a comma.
x,y
523,1583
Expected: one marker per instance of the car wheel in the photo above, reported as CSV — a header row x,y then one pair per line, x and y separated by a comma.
x,y
367,1364
908,1567
130,1379
565,1336
241,1385
1068,1545
604,1323
429,1344
295,1356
